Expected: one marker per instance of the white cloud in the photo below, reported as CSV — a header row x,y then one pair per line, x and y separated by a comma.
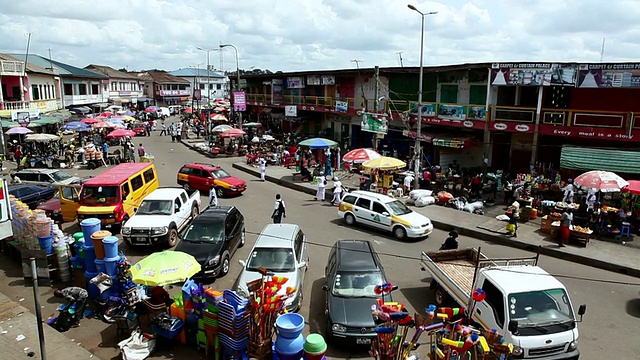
x,y
319,34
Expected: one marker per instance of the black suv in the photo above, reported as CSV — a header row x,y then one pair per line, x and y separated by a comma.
x,y
212,238
352,273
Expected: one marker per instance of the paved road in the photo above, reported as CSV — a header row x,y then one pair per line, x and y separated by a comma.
x,y
613,304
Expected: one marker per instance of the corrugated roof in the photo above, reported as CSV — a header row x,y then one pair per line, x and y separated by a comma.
x,y
191,72
30,67
63,69
166,78
110,72
144,76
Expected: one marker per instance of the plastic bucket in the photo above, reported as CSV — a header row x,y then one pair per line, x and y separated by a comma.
x,y
534,214
43,227
100,266
93,290
77,236
96,238
46,244
110,244
315,347
290,325
111,267
89,258
89,226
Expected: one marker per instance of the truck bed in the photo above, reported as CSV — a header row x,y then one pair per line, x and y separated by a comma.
x,y
458,266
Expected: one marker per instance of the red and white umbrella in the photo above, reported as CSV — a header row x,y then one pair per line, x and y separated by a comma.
x,y
107,114
120,133
604,181
232,133
90,121
104,125
360,155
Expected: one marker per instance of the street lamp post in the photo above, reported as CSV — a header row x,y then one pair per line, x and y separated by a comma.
x,y
237,73
418,149
208,51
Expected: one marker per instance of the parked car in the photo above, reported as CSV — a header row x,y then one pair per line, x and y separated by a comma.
x,y
282,250
385,213
201,176
352,273
162,215
213,238
32,195
163,113
47,177
53,207
140,129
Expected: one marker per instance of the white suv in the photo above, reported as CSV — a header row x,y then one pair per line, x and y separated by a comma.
x,y
385,213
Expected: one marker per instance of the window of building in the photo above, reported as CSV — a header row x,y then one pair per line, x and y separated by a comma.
x,y
114,86
148,175
218,86
68,89
82,89
478,94
182,87
449,94
201,86
136,183
95,89
35,92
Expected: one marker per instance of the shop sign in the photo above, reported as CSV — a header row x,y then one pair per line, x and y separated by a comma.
x,y
427,109
276,92
609,75
342,106
591,133
239,101
452,112
500,126
511,127
295,82
477,112
313,80
534,74
468,124
375,123
291,110
328,80
522,128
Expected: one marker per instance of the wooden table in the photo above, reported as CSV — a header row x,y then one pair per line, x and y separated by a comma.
x,y
581,238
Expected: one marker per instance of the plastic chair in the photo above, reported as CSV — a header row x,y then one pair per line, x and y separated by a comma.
x,y
625,229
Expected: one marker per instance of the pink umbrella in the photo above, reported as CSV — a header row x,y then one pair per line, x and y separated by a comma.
x,y
231,133
90,121
120,133
107,114
361,155
605,181
18,130
104,125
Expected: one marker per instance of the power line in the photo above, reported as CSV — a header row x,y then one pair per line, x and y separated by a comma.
x,y
407,257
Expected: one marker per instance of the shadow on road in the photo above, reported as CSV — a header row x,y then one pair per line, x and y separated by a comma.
x,y
633,308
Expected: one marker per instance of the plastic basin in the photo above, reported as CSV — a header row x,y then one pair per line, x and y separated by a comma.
x,y
290,324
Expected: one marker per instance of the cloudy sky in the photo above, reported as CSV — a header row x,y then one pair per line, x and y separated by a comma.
x,y
293,35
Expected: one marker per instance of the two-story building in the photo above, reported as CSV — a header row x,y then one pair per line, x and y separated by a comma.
x,y
31,87
168,89
509,116
123,88
79,86
212,85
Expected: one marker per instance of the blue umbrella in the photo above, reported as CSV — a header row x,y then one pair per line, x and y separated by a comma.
x,y
318,143
76,126
116,120
128,113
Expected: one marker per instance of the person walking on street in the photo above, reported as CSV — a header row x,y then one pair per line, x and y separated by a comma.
x,y
263,169
569,192
148,128
76,297
337,191
565,226
141,151
213,197
322,186
164,130
105,151
279,210
512,225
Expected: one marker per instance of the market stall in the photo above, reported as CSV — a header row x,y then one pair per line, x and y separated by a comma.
x,y
382,171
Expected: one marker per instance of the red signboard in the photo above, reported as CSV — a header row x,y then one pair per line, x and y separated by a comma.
x,y
591,132
511,126
434,120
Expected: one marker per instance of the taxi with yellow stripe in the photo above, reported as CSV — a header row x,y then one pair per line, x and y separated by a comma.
x,y
204,177
385,213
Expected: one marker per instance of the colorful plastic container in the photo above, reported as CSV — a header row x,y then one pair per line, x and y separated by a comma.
x,y
89,226
100,266
110,244
89,258
314,347
46,243
93,290
77,236
96,238
111,267
290,341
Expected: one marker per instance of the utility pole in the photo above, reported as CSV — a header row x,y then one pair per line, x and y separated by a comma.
x,y
364,100
400,55
24,67
376,101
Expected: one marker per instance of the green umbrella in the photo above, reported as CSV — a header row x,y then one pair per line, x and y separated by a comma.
x,y
164,268
8,124
318,143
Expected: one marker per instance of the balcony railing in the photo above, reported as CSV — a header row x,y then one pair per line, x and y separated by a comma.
x,y
11,68
14,105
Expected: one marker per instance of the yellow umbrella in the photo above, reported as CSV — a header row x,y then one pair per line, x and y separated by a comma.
x,y
385,163
164,268
128,118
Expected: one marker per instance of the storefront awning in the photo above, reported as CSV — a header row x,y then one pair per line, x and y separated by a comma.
x,y
584,158
453,141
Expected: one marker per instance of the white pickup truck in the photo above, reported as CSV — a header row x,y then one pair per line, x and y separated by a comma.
x,y
161,216
527,305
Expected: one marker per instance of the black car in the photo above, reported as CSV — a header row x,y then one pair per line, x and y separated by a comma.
x,y
212,238
352,273
32,195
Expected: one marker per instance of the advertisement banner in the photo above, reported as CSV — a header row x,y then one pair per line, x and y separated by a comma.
x,y
276,91
239,101
452,112
427,109
313,80
375,123
609,75
591,133
197,94
534,74
291,111
511,126
328,80
477,112
342,106
295,82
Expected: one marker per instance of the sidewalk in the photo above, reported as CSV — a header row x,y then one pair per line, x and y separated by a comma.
x,y
17,322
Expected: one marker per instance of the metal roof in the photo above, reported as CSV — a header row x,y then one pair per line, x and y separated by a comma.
x,y
63,69
30,67
166,78
191,72
117,175
110,72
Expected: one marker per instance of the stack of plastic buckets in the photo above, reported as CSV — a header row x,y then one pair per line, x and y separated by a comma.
x,y
290,341
43,231
111,260
90,226
315,347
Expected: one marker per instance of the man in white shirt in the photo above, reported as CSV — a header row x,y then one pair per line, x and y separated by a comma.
x,y
279,210
263,168
337,191
408,179
213,197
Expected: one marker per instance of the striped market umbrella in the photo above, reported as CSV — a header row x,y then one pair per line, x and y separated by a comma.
x,y
360,155
605,181
222,128
318,143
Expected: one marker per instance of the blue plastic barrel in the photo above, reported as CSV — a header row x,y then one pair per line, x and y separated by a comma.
x,y
100,266
89,226
46,243
89,258
93,290
111,267
110,246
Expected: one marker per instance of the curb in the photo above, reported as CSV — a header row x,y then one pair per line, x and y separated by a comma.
x,y
475,233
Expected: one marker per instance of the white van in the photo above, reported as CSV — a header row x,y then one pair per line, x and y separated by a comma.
x,y
163,112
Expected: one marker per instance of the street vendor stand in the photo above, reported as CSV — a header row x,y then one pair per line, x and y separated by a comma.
x,y
381,168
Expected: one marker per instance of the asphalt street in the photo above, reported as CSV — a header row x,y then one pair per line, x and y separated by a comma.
x,y
612,300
